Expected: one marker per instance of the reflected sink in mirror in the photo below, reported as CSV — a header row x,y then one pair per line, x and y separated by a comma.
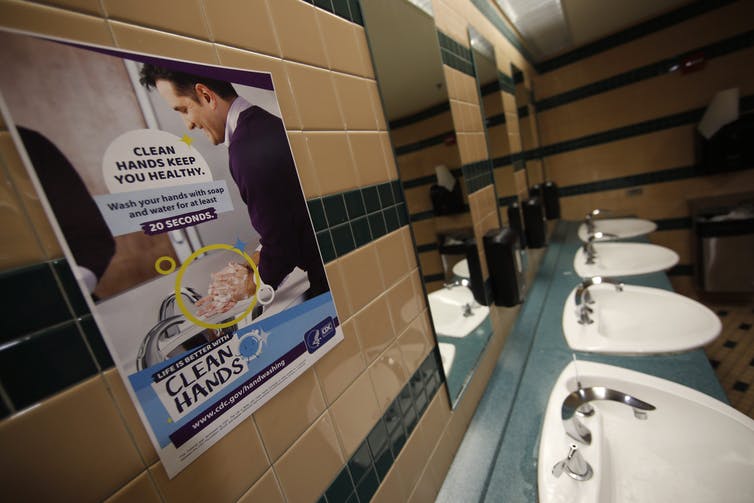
x,y
624,259
461,269
618,228
690,448
636,320
455,313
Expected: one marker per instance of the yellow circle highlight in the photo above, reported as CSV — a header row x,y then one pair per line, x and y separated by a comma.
x,y
179,279
158,264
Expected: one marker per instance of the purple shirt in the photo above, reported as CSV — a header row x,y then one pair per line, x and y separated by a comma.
x,y
262,166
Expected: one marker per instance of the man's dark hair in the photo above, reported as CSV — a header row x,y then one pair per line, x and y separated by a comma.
x,y
184,82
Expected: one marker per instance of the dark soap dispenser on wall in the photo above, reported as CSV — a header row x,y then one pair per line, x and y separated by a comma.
x,y
514,220
475,272
534,223
506,267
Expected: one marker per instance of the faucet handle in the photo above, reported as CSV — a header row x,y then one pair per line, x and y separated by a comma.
x,y
574,465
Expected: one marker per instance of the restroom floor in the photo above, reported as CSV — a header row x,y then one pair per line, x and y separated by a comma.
x,y
732,354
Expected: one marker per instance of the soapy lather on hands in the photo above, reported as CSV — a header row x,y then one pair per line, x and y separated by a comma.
x,y
230,285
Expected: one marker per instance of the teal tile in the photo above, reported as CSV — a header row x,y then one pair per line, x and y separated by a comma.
x,y
48,308
368,486
360,463
386,194
342,239
361,233
377,225
354,204
340,8
42,365
402,214
326,248
377,439
391,219
398,191
371,198
335,209
355,9
341,488
96,342
70,286
324,4
317,213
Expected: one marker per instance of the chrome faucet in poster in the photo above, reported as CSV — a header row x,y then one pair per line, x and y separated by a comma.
x,y
173,191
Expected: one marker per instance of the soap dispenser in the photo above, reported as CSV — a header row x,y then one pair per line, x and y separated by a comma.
x,y
534,223
503,252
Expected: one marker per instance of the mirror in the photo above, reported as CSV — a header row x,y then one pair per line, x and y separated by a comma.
x,y
494,87
439,143
527,126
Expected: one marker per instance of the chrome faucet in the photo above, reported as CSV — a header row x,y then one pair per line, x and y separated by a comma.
x,y
577,404
588,247
583,298
589,218
458,282
574,465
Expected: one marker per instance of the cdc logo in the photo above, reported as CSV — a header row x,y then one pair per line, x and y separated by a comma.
x,y
320,334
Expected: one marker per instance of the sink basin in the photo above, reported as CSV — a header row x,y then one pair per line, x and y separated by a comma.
x,y
639,320
691,448
447,355
448,305
461,269
624,259
622,227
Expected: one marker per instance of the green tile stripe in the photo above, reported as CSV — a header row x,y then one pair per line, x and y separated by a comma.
x,y
420,116
428,180
427,247
495,120
360,477
432,141
658,68
666,175
653,25
507,200
491,13
477,175
455,55
347,9
348,220
640,128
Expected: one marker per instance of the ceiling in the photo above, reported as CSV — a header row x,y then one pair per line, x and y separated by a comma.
x,y
552,27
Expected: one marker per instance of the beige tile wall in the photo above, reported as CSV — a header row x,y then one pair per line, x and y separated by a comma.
x,y
648,99
87,443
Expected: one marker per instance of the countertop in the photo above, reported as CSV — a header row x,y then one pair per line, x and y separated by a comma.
x,y
503,438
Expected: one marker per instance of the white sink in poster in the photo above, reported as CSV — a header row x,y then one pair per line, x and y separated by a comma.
x,y
454,311
621,228
624,259
691,448
638,320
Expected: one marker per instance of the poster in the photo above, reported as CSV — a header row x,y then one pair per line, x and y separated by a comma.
x,y
172,188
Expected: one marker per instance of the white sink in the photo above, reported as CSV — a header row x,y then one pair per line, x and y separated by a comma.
x,y
691,448
623,228
461,269
448,306
639,320
447,355
624,259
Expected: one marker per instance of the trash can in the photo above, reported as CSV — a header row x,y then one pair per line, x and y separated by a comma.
x,y
724,243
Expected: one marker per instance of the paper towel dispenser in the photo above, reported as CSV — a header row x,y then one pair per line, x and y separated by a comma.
x,y
731,148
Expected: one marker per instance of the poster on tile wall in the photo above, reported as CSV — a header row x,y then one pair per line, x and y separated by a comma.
x,y
173,191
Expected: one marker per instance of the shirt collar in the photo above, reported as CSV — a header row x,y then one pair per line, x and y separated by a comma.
x,y
234,112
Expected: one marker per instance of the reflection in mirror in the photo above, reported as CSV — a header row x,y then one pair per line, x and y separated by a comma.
x,y
428,138
492,84
527,121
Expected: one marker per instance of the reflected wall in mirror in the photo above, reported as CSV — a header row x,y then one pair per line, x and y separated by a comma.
x,y
527,121
493,85
430,97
